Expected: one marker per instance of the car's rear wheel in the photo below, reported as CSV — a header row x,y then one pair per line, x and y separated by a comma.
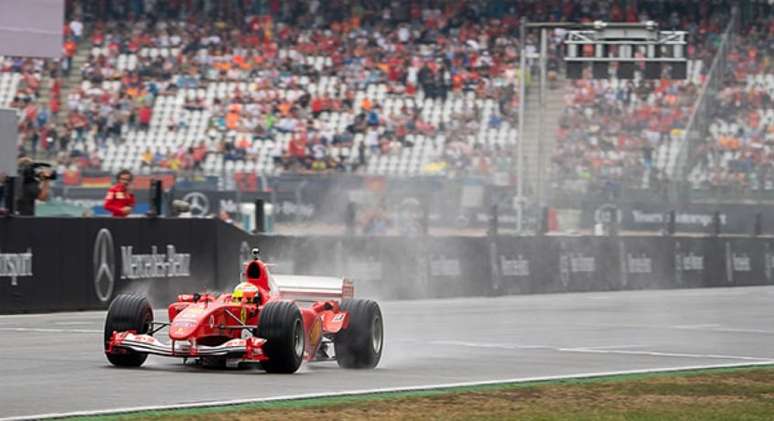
x,y
282,327
360,344
127,312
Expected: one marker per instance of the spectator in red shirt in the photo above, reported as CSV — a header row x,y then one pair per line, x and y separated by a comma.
x,y
119,200
144,117
317,106
70,48
53,104
297,149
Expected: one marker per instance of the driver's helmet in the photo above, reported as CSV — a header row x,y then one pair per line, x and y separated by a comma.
x,y
244,290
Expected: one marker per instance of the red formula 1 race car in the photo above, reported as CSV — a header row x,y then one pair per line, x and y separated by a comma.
x,y
277,321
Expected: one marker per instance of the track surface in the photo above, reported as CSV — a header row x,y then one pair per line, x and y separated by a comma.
x,y
54,363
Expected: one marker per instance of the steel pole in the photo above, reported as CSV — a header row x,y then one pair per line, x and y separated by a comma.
x,y
520,142
542,95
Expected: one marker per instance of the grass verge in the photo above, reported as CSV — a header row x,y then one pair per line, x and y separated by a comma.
x,y
716,394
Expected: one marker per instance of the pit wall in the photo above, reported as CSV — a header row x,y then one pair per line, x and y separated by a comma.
x,y
63,264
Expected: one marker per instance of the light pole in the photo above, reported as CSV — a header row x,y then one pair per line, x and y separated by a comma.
x,y
540,185
520,143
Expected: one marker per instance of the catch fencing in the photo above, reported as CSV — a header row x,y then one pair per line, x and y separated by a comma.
x,y
62,264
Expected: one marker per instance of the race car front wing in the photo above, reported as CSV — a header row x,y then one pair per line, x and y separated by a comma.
x,y
248,349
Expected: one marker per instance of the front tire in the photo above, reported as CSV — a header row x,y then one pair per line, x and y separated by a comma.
x,y
282,327
127,312
360,344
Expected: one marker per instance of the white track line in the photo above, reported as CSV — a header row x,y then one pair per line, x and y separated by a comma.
x,y
611,349
734,330
665,354
492,345
53,315
46,330
373,391
699,328
719,328
704,326
614,346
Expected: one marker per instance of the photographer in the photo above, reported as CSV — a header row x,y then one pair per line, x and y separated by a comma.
x,y
35,179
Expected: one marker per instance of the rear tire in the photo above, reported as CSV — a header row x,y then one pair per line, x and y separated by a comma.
x,y
360,344
127,312
282,327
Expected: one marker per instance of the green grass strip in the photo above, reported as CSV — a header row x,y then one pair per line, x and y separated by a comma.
x,y
345,399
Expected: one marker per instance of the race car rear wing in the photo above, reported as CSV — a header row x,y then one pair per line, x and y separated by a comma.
x,y
309,289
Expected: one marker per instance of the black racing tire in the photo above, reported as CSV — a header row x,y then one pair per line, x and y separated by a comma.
x,y
127,312
283,328
360,345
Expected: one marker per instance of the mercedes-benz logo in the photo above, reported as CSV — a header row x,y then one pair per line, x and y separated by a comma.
x,y
104,265
602,214
200,204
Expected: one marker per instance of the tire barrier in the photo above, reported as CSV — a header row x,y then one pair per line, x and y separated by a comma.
x,y
63,264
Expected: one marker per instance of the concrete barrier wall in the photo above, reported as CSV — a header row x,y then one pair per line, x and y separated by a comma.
x,y
59,264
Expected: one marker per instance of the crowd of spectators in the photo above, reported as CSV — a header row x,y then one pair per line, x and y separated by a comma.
x,y
441,50
298,72
611,130
737,153
41,129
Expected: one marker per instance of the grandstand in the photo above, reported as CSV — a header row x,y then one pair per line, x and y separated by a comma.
x,y
231,101
386,88
735,154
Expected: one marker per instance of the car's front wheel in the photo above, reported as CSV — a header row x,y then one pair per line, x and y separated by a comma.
x,y
282,327
127,312
360,344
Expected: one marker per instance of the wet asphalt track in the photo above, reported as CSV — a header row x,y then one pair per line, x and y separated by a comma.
x,y
54,363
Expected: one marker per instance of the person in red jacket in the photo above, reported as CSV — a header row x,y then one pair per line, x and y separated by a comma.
x,y
119,199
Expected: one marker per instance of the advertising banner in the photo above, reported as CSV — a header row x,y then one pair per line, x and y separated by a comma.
x,y
59,264
691,267
522,265
695,217
644,263
745,261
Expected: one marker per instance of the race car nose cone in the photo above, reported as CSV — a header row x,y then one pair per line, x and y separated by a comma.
x,y
180,330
